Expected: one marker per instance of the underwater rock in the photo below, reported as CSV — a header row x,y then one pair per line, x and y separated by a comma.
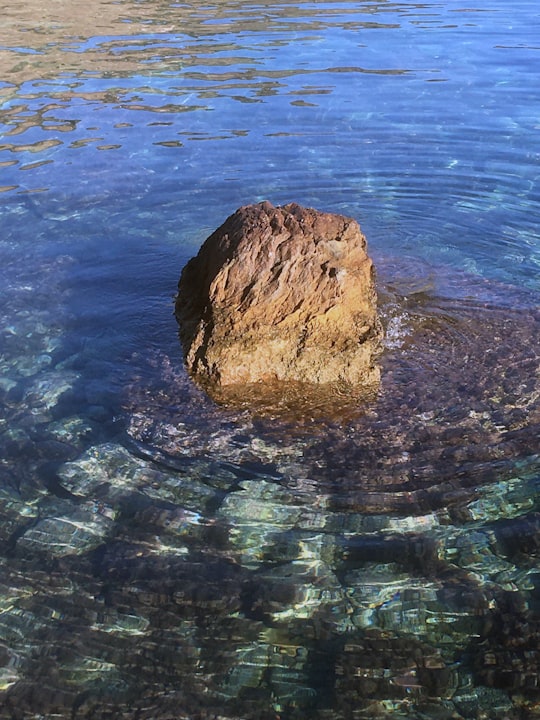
x,y
82,530
48,389
281,294
111,471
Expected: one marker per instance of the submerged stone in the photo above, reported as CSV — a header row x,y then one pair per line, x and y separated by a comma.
x,y
280,294
82,530
112,471
47,389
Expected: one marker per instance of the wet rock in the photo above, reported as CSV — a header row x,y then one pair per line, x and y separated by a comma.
x,y
47,390
113,473
442,613
14,512
73,430
200,584
378,667
82,530
8,389
472,702
268,520
292,593
280,294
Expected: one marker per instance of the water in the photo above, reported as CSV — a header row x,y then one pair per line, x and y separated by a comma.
x,y
167,558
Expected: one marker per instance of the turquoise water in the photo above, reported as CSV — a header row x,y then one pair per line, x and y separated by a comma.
x,y
164,557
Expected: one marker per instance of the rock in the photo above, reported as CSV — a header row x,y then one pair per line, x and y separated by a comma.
x,y
280,294
84,528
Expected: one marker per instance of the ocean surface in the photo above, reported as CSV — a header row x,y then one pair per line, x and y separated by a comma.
x,y
167,558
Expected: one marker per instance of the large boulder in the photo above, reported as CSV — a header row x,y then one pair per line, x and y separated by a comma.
x,y
280,294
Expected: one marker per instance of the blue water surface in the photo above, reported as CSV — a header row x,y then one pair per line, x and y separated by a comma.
x,y
165,557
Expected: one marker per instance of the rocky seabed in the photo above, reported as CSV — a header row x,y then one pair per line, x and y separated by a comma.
x,y
166,558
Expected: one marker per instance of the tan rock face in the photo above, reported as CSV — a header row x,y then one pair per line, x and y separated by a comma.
x,y
280,294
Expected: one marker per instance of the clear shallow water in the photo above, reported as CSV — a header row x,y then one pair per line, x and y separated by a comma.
x,y
167,558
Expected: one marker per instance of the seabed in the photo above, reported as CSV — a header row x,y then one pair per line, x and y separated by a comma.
x,y
166,557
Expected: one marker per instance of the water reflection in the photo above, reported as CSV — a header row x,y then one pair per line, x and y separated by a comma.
x,y
122,37
329,106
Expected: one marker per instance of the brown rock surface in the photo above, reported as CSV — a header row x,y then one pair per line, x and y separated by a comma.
x,y
280,294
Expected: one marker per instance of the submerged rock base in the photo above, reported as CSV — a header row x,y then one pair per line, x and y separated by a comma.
x,y
280,294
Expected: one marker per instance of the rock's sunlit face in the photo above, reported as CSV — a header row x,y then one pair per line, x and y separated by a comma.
x,y
280,295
